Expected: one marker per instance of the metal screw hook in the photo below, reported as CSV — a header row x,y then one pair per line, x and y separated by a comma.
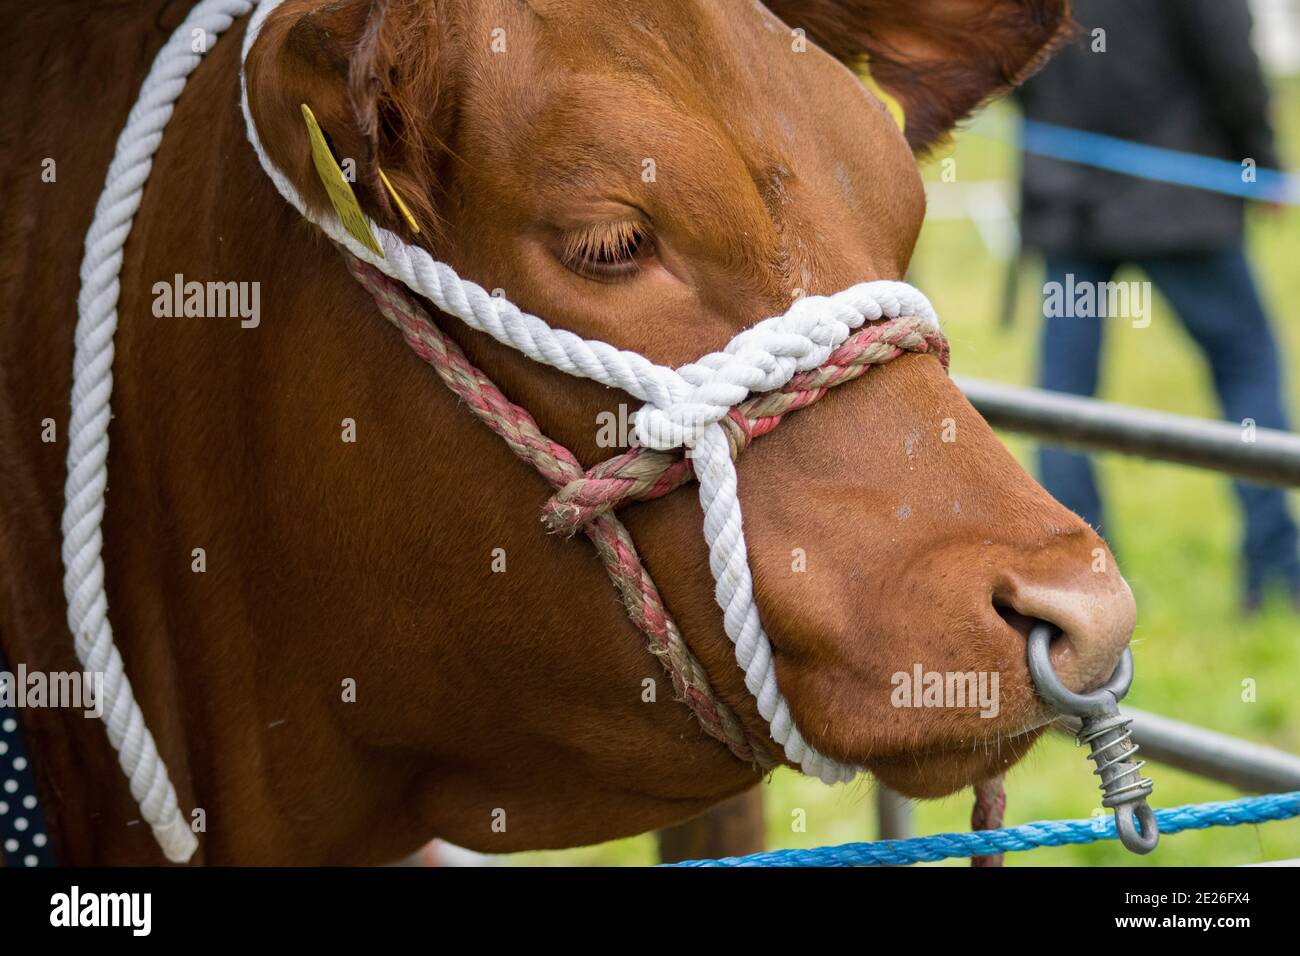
x,y
1106,731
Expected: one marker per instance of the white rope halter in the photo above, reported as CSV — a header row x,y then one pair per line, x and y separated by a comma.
x,y
683,408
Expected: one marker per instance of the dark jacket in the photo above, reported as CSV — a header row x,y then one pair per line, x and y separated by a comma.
x,y
1176,73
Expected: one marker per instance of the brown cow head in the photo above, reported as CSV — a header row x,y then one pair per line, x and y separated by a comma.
x,y
660,175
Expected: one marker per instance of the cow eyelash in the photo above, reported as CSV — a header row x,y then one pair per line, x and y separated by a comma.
x,y
607,251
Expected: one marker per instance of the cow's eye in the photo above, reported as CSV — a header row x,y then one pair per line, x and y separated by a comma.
x,y
607,251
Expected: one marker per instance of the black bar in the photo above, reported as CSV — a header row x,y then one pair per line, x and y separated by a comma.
x,y
918,906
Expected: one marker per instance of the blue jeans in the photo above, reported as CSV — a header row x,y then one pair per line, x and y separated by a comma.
x,y
1215,297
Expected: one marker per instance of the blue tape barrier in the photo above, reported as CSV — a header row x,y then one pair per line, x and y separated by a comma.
x,y
1157,163
1028,836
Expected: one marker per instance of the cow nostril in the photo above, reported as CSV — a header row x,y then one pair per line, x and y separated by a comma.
x,y
1061,647
1090,631
1021,623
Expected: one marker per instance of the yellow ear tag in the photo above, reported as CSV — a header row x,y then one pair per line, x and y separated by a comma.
x,y
338,188
895,108
402,207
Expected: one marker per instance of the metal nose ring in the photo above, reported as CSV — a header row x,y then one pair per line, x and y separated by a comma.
x,y
1106,731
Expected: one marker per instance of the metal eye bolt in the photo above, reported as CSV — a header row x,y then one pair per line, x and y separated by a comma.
x,y
1106,731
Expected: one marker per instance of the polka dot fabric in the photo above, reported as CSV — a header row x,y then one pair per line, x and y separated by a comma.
x,y
22,826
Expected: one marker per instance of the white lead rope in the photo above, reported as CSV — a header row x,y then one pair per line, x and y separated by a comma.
x,y
683,408
92,386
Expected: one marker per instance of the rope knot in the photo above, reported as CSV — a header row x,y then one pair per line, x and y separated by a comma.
x,y
650,470
767,356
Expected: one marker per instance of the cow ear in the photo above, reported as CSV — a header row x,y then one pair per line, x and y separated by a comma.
x,y
372,72
939,58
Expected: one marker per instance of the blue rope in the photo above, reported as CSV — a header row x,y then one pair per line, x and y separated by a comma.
x,y
1157,163
942,846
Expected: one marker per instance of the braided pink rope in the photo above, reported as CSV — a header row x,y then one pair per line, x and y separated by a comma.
x,y
557,465
586,499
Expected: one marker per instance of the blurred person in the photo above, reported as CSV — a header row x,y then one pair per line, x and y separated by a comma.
x,y
1178,74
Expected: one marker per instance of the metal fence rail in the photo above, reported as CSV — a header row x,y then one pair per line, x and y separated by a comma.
x,y
1262,454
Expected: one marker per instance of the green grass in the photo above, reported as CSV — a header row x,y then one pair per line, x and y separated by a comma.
x,y
1175,531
